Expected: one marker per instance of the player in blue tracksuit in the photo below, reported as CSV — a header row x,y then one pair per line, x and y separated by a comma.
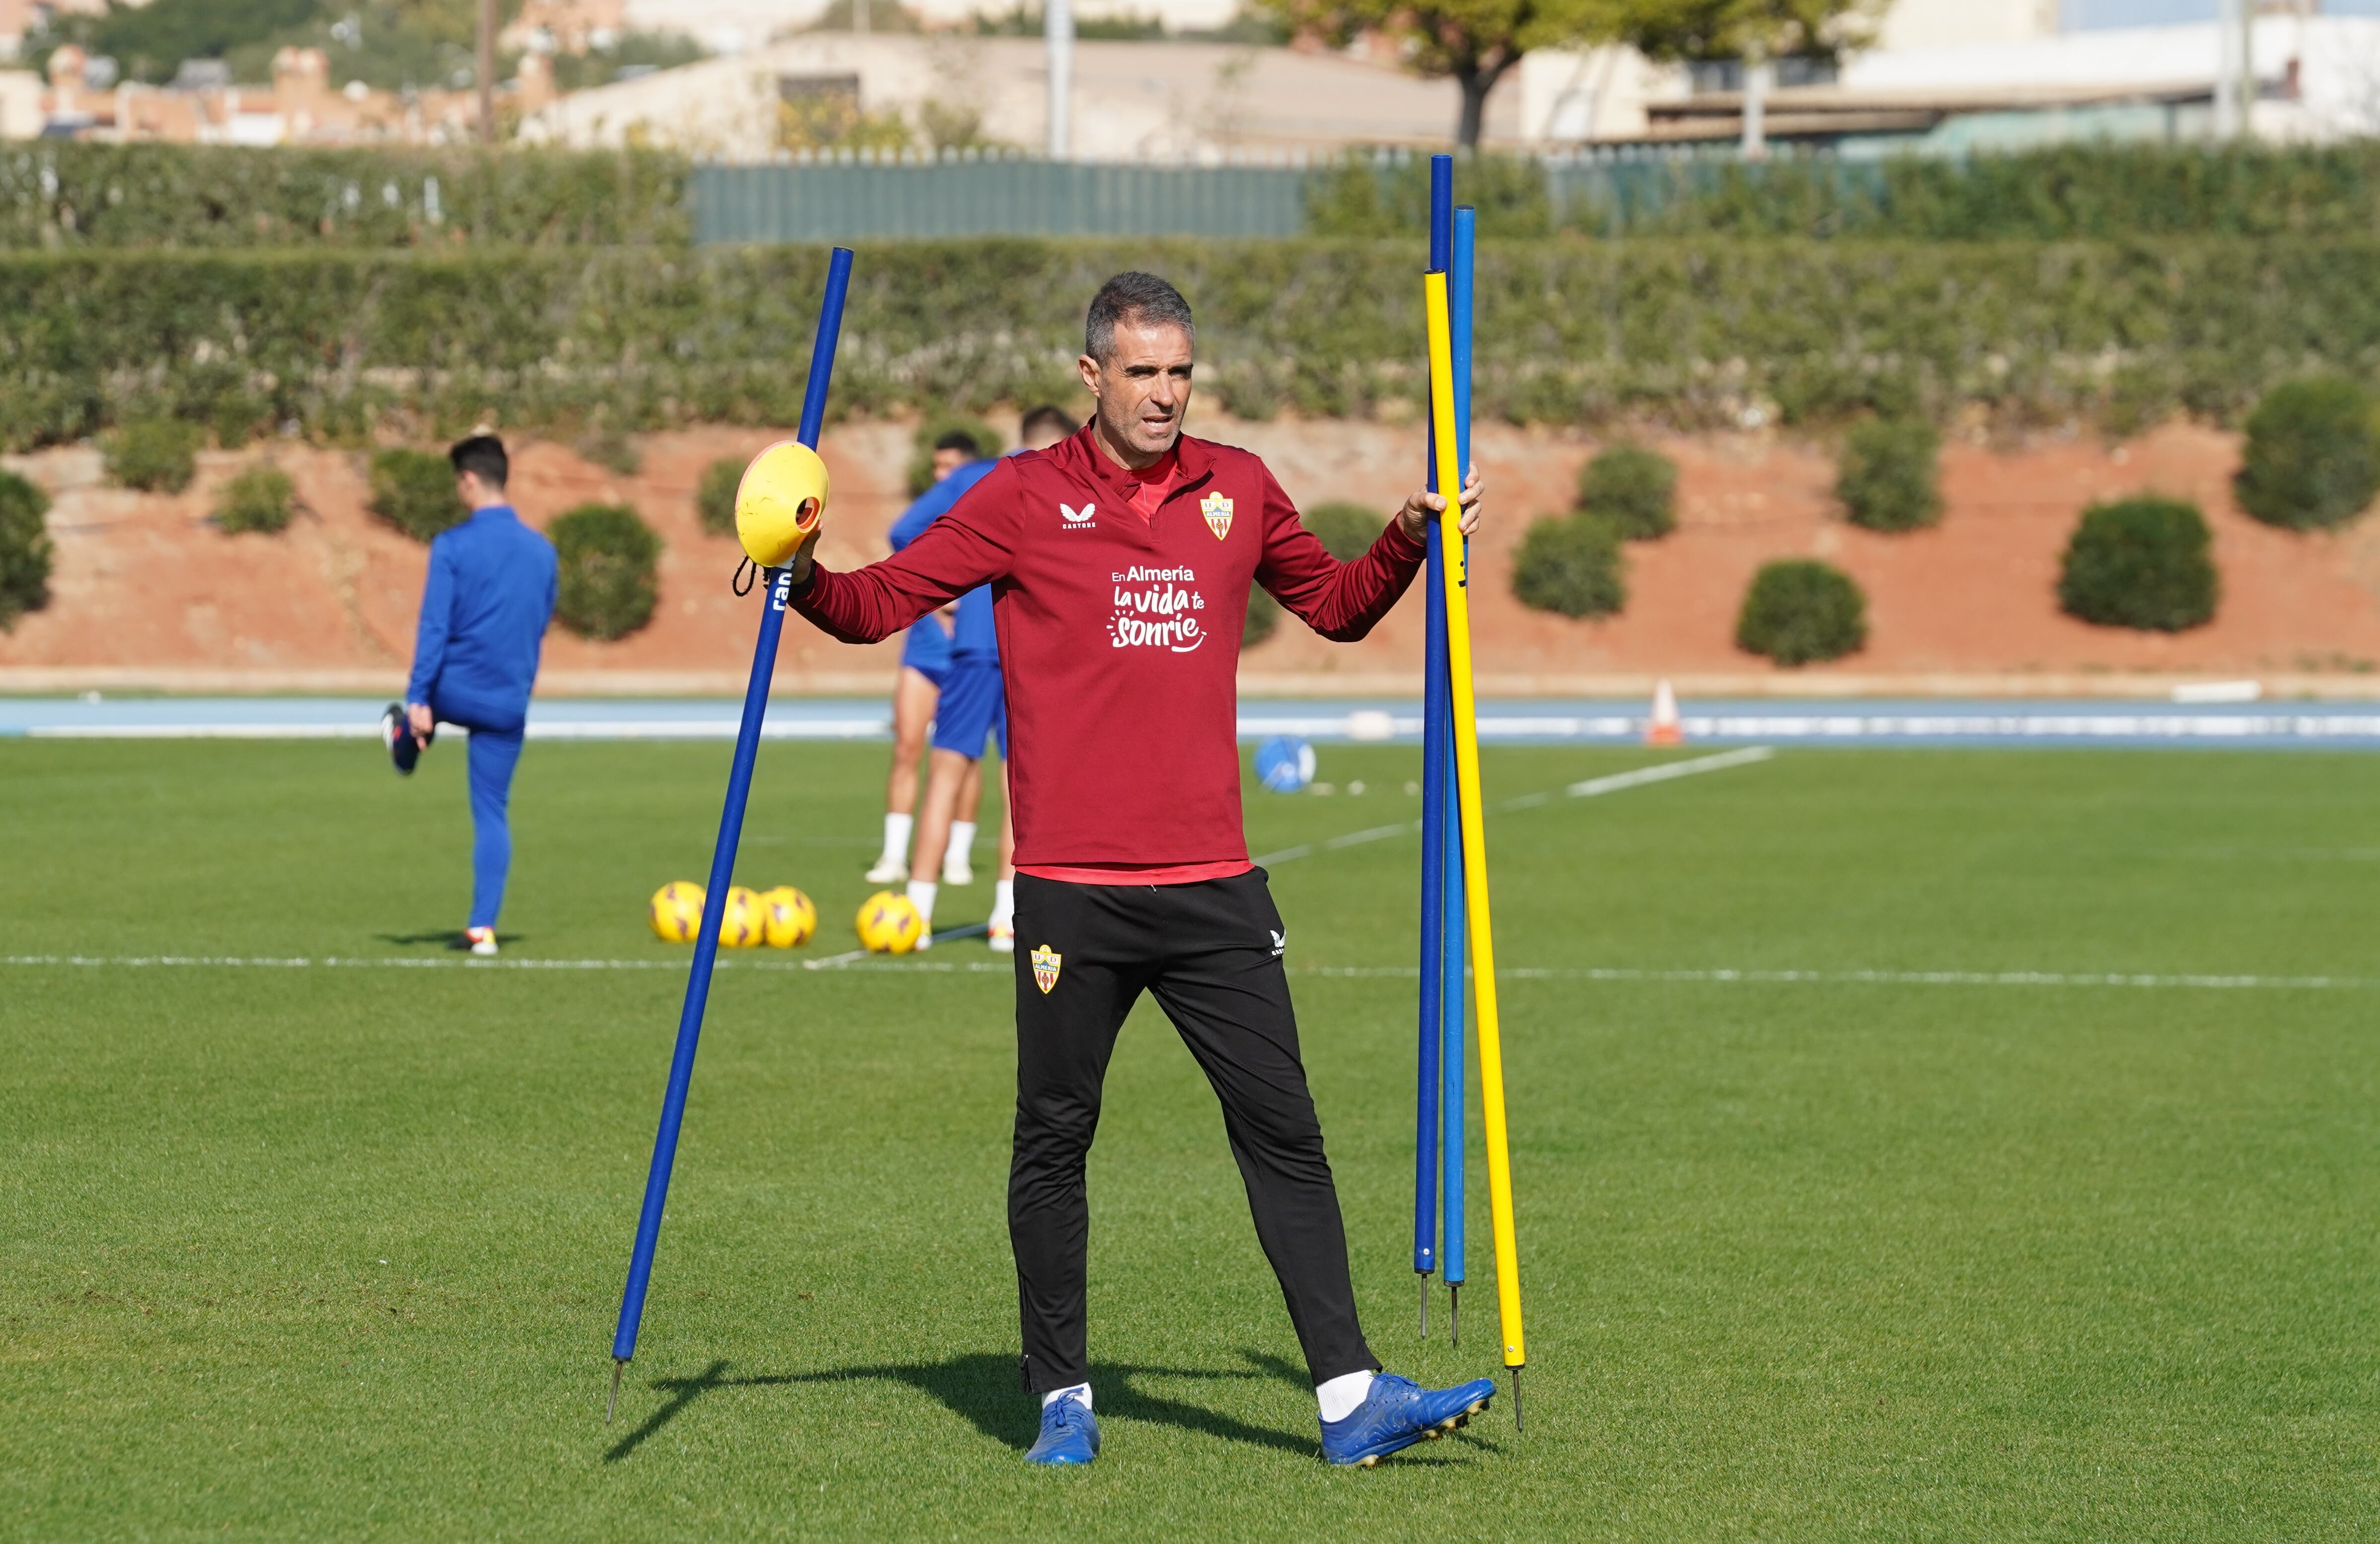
x,y
974,705
916,693
484,611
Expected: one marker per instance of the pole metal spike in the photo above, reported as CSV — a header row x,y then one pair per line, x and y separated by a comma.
x,y
1517,1401
1454,1314
619,1366
1424,1307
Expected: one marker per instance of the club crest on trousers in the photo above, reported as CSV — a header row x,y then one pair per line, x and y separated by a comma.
x,y
1218,510
1046,962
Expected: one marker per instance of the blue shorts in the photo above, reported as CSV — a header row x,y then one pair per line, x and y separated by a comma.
x,y
927,648
974,704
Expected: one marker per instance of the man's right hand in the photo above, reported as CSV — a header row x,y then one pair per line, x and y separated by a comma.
x,y
419,717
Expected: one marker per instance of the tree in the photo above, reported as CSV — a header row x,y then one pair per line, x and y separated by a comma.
x,y
1739,28
1475,41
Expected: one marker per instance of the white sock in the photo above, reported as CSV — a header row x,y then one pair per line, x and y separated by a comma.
x,y
1340,1397
1004,900
921,896
961,841
896,838
1080,1391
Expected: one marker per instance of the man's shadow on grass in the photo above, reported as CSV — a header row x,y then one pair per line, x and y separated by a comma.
x,y
982,1387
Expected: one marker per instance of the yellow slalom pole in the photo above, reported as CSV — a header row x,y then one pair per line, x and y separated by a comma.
x,y
1475,837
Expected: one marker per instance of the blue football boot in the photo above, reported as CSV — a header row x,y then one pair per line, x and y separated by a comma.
x,y
1070,1434
1398,1413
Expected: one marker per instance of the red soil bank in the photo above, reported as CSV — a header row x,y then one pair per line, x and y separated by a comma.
x,y
147,592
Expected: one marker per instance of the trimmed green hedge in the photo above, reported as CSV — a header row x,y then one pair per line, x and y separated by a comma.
x,y
1889,476
1634,488
413,490
1347,530
2313,453
714,501
1801,612
1697,334
156,456
1570,565
260,499
610,576
69,193
24,549
2142,563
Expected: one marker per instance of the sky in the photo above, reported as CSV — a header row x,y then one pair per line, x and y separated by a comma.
x,y
2154,13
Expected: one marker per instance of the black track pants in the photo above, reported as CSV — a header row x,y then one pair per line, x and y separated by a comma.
x,y
1211,953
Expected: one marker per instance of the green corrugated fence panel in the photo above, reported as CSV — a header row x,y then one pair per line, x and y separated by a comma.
x,y
993,198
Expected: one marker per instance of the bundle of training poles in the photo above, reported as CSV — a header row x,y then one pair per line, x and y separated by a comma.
x,y
1458,949
1458,956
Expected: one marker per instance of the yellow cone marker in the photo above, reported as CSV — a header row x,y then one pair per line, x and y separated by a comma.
x,y
1475,836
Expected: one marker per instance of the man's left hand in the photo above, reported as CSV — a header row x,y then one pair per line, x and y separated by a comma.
x,y
1421,510
421,720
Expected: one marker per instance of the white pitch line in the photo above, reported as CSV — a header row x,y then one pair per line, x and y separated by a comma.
x,y
1586,790
2193,981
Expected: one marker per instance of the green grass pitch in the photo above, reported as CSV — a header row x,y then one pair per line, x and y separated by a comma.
x,y
316,1251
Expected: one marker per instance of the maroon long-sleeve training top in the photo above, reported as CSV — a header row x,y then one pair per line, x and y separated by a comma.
x,y
1120,636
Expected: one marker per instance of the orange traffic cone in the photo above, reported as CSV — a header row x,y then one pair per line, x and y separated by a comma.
x,y
1665,729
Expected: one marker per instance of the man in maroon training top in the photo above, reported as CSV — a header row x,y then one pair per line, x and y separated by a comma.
x,y
1120,562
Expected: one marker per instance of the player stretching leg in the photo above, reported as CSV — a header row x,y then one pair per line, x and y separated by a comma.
x,y
484,609
1120,562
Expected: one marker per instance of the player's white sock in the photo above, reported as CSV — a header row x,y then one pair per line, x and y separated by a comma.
x,y
962,841
1003,902
921,896
897,840
1341,1397
1080,1391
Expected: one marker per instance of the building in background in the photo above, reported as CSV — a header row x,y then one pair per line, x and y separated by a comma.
x,y
1131,101
1951,76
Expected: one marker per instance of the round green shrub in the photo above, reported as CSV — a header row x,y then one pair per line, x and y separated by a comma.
x,y
1888,477
1570,565
714,501
1799,611
25,550
156,456
1347,530
1633,488
2312,455
922,456
1264,615
413,490
2140,563
609,579
261,498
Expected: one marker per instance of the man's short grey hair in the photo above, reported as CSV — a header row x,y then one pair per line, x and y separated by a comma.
x,y
1142,299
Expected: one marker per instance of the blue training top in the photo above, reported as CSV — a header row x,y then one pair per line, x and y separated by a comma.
x,y
483,615
973,637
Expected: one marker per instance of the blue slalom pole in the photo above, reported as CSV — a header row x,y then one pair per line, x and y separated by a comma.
x,y
1435,710
723,856
1453,969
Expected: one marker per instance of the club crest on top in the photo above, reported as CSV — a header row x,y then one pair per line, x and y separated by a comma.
x,y
1218,510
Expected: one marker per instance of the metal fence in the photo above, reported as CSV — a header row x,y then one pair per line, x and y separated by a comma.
x,y
846,203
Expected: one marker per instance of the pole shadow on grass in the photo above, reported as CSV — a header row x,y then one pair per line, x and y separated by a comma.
x,y
982,1387
447,938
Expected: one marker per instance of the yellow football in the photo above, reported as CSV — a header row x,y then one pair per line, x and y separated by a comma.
x,y
889,924
676,911
781,501
740,925
786,916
